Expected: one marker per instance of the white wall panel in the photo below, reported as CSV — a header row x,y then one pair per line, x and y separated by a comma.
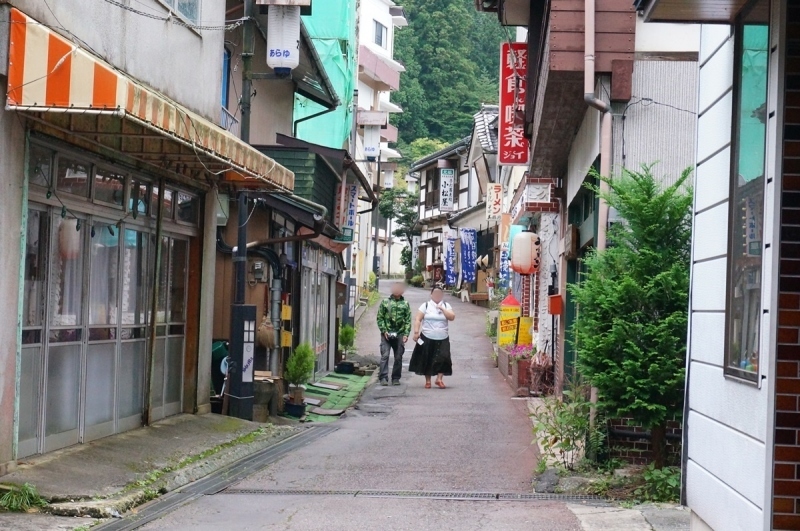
x,y
747,477
711,37
712,182
711,236
708,338
708,286
718,505
714,128
716,76
739,405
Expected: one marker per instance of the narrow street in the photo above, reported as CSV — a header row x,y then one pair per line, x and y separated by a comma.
x,y
470,437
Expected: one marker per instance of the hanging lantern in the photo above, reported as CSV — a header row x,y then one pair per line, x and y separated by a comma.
x,y
69,239
283,39
526,253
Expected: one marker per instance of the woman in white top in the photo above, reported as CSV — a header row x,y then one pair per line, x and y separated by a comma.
x,y
431,334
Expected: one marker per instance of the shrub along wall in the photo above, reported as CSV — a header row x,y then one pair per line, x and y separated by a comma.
x,y
632,443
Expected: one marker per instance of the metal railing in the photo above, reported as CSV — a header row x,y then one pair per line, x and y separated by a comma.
x,y
229,122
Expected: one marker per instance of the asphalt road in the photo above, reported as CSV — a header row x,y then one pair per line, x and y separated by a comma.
x,y
470,437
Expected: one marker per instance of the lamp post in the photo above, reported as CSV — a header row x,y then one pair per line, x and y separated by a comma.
x,y
376,263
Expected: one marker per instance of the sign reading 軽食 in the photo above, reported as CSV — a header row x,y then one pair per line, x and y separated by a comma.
x,y
513,146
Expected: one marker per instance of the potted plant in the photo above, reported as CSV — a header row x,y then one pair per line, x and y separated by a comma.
x,y
298,371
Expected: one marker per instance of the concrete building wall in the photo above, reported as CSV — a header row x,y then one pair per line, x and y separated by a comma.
x,y
12,241
727,422
183,63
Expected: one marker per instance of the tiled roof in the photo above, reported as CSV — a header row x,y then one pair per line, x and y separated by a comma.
x,y
486,127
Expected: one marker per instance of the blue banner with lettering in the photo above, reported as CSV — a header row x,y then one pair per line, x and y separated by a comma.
x,y
505,265
450,262
469,253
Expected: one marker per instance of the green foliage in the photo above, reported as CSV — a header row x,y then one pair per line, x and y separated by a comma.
x,y
417,281
451,55
419,148
491,327
21,498
300,365
372,281
399,205
660,485
499,295
630,332
563,426
405,258
347,337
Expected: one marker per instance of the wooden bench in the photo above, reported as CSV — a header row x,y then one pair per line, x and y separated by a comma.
x,y
476,297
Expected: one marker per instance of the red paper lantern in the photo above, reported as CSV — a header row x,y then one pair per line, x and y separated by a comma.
x,y
526,253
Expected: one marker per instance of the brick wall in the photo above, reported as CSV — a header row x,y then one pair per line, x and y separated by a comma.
x,y
786,482
637,450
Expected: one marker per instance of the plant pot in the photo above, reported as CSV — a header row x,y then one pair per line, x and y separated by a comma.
x,y
296,394
503,362
521,377
295,410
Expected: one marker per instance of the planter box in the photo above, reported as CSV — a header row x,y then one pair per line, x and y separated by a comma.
x,y
502,362
521,377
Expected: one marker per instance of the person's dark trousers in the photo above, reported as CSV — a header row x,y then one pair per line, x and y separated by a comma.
x,y
395,344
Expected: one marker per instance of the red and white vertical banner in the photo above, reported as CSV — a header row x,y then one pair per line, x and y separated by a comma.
x,y
514,147
494,202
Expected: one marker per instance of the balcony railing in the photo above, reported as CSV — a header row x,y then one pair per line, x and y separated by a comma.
x,y
229,122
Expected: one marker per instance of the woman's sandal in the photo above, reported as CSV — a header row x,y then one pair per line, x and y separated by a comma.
x,y
427,385
440,384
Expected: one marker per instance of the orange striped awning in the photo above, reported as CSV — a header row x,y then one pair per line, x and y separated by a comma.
x,y
48,73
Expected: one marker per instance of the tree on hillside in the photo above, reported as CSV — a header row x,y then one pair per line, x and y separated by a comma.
x,y
448,50
416,150
630,332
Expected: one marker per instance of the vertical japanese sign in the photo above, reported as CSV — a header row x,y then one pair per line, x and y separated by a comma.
x,y
415,241
338,208
514,147
447,178
504,240
469,253
350,213
494,201
450,259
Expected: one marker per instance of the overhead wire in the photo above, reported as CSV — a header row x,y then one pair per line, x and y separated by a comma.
x,y
645,102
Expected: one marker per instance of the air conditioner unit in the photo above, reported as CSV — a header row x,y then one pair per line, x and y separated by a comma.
x,y
571,242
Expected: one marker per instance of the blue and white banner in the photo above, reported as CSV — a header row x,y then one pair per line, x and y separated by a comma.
x,y
505,265
469,253
450,262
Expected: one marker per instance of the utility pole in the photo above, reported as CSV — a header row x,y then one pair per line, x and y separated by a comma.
x,y
243,316
376,263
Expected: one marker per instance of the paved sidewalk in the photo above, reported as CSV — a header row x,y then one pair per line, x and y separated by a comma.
x,y
106,477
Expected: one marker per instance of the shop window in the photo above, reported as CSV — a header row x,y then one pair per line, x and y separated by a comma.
x,y
73,176
36,244
66,276
187,208
103,276
140,198
40,162
179,250
134,285
109,187
743,310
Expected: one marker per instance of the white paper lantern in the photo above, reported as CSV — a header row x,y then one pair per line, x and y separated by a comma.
x,y
526,253
283,39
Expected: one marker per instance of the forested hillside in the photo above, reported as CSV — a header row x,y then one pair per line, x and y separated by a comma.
x,y
451,53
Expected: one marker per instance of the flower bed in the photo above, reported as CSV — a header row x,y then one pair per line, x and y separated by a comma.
x,y
514,363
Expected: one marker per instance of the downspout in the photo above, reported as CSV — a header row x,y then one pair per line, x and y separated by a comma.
x,y
605,145
296,122
605,127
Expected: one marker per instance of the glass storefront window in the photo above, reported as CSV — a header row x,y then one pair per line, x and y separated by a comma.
x,y
66,273
40,163
177,281
743,309
140,198
134,278
187,210
109,187
103,279
36,255
73,176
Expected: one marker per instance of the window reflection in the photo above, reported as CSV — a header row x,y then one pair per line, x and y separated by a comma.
x,y
747,197
73,176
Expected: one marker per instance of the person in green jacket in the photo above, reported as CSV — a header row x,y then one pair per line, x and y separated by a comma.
x,y
394,323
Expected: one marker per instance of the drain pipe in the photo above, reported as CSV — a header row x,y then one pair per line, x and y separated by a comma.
x,y
605,147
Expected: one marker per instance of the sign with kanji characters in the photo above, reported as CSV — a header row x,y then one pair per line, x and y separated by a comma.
x,y
349,214
469,253
494,201
513,147
415,241
447,179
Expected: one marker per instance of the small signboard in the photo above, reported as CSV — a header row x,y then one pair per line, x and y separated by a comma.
x,y
494,202
447,178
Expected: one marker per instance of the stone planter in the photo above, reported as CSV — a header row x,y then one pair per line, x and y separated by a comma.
x,y
503,362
